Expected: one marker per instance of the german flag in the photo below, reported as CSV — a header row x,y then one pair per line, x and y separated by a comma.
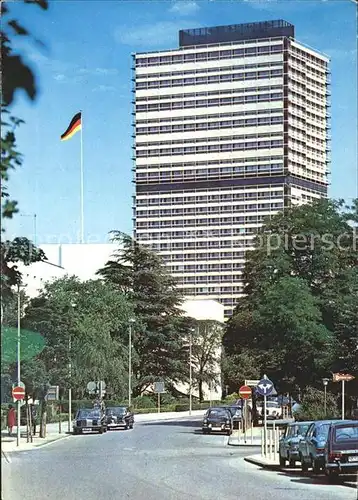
x,y
74,126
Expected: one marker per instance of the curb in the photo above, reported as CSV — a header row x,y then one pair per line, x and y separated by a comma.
x,y
261,464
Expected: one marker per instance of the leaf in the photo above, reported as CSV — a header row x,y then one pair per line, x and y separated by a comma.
x,y
19,30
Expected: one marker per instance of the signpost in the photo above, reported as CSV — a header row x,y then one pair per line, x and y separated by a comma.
x,y
343,377
265,387
245,393
159,389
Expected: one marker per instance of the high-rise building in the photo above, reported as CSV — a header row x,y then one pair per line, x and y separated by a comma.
x,y
229,128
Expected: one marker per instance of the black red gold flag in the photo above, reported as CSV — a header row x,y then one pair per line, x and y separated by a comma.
x,y
74,126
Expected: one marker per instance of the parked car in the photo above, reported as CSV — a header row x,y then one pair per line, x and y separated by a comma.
x,y
341,451
289,442
311,447
119,416
89,419
235,411
217,420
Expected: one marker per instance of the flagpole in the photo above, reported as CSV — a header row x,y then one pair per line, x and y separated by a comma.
x,y
81,194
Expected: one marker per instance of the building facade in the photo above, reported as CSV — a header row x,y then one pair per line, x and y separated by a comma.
x,y
229,128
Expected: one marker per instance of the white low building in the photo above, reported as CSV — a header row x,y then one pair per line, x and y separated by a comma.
x,y
82,260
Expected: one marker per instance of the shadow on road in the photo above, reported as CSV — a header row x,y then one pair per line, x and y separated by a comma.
x,y
177,423
309,478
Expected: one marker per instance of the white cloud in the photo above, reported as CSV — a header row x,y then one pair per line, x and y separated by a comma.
x,y
263,4
152,35
184,7
104,88
60,77
106,71
98,71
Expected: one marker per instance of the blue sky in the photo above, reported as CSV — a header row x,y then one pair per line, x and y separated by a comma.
x,y
86,64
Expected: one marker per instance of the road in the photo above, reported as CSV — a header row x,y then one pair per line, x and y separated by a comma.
x,y
155,461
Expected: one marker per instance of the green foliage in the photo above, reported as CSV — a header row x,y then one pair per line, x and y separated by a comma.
x,y
160,331
12,252
312,406
206,353
85,323
298,320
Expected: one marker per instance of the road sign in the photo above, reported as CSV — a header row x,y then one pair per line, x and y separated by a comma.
x,y
91,386
252,383
53,393
339,377
245,392
159,387
265,387
18,393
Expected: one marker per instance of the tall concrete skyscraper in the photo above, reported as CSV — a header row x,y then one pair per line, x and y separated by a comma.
x,y
231,127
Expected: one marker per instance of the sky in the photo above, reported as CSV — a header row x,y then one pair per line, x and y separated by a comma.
x,y
85,64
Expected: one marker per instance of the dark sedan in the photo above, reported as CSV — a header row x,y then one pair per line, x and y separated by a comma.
x,y
119,416
89,419
217,420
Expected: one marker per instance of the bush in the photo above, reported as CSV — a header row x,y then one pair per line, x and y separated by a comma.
x,y
312,407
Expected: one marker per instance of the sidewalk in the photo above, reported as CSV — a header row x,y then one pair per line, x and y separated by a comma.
x,y
265,462
8,443
252,438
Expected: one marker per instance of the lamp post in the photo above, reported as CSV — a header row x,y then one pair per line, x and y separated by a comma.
x,y
18,358
73,305
131,321
325,383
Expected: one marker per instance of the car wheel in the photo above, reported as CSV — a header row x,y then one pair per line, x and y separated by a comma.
x,y
282,461
332,476
101,431
131,426
316,467
304,466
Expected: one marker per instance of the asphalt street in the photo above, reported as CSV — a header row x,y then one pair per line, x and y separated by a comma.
x,y
155,461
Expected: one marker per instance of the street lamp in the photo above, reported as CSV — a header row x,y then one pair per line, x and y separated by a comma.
x,y
191,370
131,321
325,383
73,305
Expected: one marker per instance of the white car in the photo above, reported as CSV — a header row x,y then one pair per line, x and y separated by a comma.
x,y
273,410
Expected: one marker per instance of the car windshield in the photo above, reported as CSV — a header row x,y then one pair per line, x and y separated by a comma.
x,y
346,433
234,409
218,413
89,414
297,430
116,411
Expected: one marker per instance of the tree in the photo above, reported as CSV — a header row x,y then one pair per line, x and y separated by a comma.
x,y
84,322
313,407
160,329
206,353
298,318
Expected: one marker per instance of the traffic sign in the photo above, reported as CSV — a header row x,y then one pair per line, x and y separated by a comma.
x,y
53,393
245,392
159,387
252,383
18,393
339,377
265,387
